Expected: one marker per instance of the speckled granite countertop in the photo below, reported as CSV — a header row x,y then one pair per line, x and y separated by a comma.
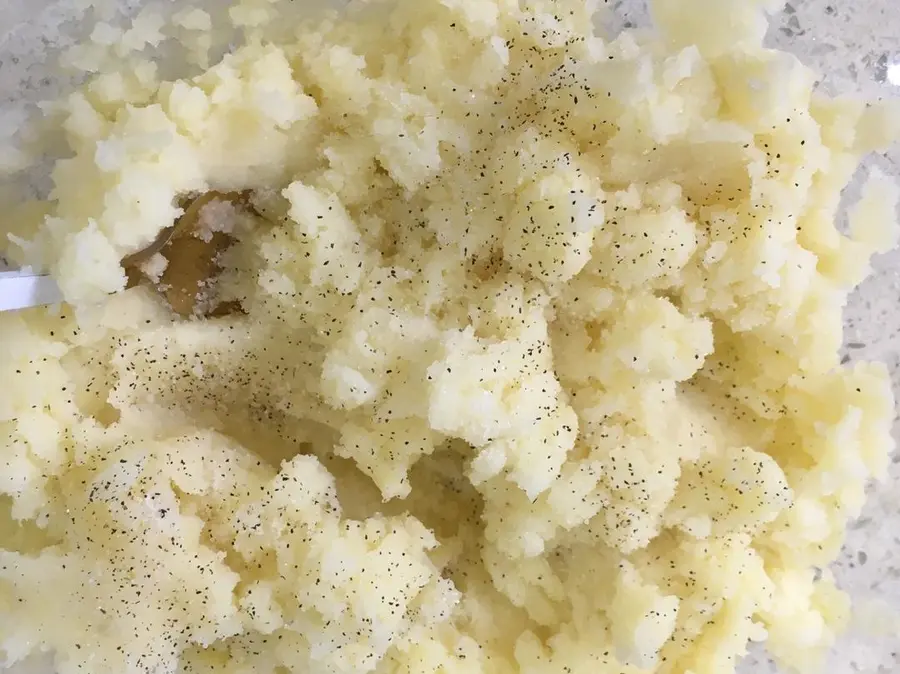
x,y
855,44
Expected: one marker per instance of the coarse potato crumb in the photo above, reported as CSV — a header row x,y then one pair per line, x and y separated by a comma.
x,y
484,343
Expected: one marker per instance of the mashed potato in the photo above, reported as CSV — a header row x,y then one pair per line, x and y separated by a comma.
x,y
515,349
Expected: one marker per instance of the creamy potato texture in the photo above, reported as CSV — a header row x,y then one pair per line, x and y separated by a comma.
x,y
528,360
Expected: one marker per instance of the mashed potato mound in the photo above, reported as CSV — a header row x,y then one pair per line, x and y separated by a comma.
x,y
531,363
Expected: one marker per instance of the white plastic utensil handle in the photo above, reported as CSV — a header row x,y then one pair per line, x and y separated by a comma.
x,y
20,290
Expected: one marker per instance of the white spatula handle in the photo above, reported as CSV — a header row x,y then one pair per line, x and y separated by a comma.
x,y
20,290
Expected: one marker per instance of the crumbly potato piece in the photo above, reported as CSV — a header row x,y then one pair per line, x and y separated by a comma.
x,y
525,355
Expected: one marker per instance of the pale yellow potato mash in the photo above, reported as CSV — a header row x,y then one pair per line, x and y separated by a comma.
x,y
482,344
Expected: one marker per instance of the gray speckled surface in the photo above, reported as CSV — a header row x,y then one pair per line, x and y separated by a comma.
x,y
855,44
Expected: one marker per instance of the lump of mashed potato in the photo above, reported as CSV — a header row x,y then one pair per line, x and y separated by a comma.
x,y
528,362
